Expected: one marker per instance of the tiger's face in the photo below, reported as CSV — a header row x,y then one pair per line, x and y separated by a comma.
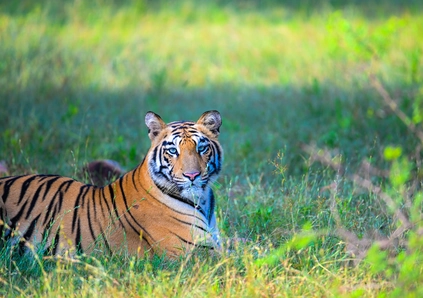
x,y
185,157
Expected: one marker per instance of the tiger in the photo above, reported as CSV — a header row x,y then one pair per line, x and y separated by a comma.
x,y
165,205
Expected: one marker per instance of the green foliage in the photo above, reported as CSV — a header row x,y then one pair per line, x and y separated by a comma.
x,y
298,242
359,41
77,77
377,259
392,153
400,172
405,267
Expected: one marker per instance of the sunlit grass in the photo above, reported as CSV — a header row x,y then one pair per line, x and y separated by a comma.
x,y
116,48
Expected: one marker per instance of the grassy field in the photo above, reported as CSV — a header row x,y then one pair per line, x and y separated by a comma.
x,y
77,77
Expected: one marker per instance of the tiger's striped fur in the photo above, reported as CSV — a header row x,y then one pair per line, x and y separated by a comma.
x,y
165,205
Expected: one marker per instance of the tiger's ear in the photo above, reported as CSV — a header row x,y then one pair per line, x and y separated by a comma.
x,y
212,121
155,124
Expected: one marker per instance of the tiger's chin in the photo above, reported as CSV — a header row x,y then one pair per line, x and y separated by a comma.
x,y
194,193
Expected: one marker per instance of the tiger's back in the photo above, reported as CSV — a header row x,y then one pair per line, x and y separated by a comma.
x,y
164,205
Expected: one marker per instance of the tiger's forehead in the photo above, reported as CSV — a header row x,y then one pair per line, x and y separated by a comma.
x,y
184,131
180,124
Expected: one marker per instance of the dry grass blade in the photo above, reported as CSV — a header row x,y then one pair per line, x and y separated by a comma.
x,y
355,246
394,107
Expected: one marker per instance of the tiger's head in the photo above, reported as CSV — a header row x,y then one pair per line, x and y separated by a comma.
x,y
185,157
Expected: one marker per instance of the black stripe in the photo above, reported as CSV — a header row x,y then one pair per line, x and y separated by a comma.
x,y
60,202
133,178
90,224
111,191
70,183
54,216
137,232
58,205
44,177
31,228
133,228
154,154
78,238
25,187
123,194
77,206
102,198
108,215
190,224
49,209
49,184
217,155
213,169
100,201
178,130
105,240
128,210
34,200
92,201
67,182
7,185
212,205
190,243
55,244
17,217
112,197
115,206
165,143
61,193
166,160
176,123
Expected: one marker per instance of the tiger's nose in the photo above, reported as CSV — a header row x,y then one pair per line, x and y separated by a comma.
x,y
191,175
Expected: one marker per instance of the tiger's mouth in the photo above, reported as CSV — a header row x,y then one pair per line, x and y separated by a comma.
x,y
192,190
192,185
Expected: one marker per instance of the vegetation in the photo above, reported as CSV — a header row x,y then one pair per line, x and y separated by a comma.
x,y
295,81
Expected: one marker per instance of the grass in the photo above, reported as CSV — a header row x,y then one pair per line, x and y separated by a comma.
x,y
77,78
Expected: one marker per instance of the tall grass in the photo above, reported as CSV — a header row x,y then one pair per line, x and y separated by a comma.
x,y
77,77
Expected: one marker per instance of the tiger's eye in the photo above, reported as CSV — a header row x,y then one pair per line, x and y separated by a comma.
x,y
172,151
203,148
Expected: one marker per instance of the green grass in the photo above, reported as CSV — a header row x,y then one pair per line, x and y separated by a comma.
x,y
77,78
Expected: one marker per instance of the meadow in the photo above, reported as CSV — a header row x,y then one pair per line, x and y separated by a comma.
x,y
322,106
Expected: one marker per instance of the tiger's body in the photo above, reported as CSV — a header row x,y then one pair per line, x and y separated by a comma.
x,y
165,205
